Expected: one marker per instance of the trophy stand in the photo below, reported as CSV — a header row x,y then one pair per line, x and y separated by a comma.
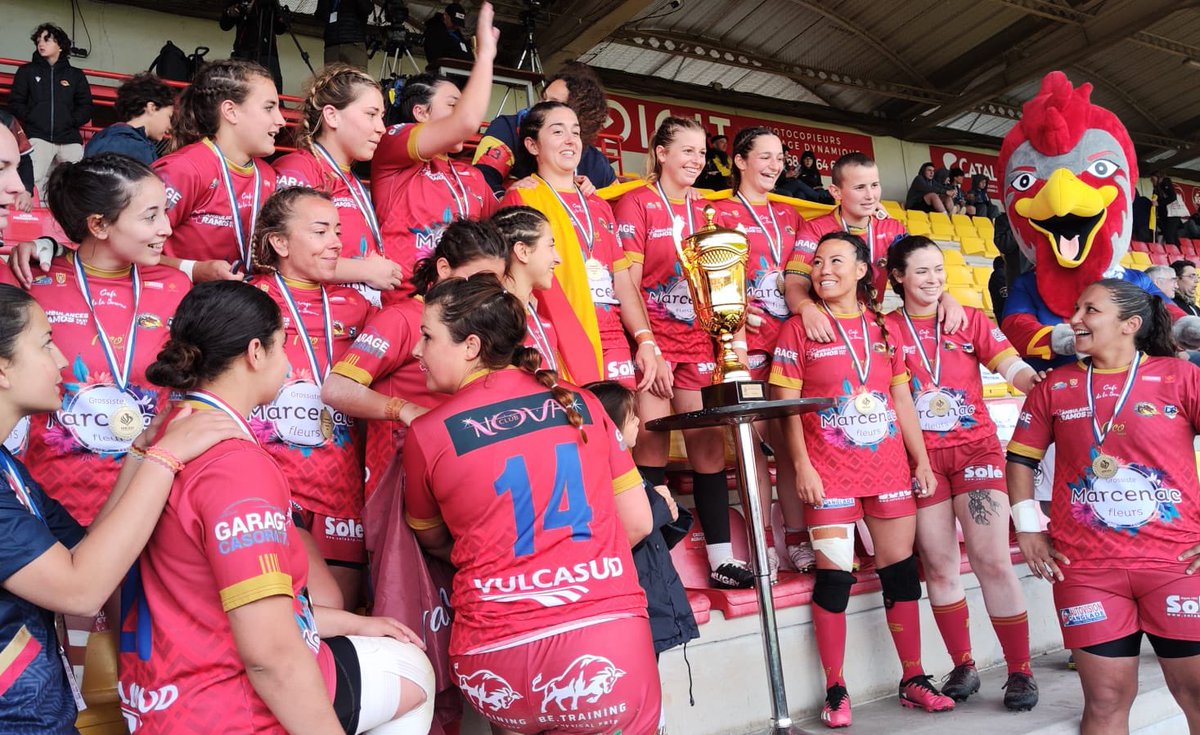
x,y
740,416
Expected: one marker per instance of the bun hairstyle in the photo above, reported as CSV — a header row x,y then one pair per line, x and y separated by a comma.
x,y
100,185
273,219
531,125
866,285
14,317
898,253
198,114
667,131
418,90
1154,336
336,86
462,241
743,143
518,224
212,327
480,305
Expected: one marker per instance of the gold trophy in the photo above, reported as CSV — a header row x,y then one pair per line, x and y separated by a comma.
x,y
714,261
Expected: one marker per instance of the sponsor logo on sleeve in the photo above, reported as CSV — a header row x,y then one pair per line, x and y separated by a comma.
x,y
250,522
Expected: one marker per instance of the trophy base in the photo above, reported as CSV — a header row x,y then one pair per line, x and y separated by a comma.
x,y
730,394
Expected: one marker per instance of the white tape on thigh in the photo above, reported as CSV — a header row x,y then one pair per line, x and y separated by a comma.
x,y
384,663
838,550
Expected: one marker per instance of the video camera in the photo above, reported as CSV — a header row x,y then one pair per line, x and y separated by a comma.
x,y
396,37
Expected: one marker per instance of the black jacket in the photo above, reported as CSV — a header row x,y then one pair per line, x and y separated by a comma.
x,y
671,619
52,103
351,24
445,43
257,25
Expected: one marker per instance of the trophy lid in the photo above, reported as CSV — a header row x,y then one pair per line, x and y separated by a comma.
x,y
711,234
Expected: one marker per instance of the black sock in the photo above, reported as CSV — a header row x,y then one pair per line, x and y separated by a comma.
x,y
710,492
653,475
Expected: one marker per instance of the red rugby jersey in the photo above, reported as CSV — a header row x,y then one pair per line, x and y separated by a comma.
x,y
538,542
764,270
318,448
416,198
73,453
225,539
302,168
855,454
648,234
198,203
1146,514
980,343
879,235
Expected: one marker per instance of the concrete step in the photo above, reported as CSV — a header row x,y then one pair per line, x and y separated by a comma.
x,y
1154,712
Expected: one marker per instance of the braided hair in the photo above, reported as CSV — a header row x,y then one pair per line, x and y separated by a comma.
x,y
865,289
198,114
336,86
481,306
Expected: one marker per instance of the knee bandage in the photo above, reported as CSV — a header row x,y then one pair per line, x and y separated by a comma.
x,y
839,548
832,590
388,665
900,581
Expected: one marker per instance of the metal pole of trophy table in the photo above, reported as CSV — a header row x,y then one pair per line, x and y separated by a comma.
x,y
741,416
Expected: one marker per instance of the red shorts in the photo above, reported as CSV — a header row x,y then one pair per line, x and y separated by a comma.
x,y
692,375
340,540
833,511
760,365
618,363
1101,605
601,678
963,468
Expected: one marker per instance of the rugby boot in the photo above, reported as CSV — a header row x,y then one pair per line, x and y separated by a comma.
x,y
1020,692
919,691
962,682
836,712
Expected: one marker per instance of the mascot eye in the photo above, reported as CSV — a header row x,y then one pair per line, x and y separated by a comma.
x,y
1023,181
1103,168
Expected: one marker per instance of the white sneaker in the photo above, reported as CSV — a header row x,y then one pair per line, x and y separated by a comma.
x,y
773,565
801,556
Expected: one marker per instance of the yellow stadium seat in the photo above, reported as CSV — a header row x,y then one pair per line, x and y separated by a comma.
x,y
982,275
965,231
972,245
1141,260
952,257
988,306
983,224
893,208
962,220
990,250
967,296
1127,261
915,215
917,227
960,276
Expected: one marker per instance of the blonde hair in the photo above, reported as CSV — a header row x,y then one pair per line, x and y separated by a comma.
x,y
665,136
337,86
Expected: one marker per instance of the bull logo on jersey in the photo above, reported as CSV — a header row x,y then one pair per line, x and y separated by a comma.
x,y
487,690
588,678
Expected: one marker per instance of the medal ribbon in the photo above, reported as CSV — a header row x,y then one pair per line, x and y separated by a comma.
x,y
318,373
687,205
870,238
458,190
935,371
776,245
588,233
358,192
119,372
1100,433
862,368
210,400
239,231
18,485
534,326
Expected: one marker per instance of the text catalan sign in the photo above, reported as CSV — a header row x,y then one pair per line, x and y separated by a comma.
x,y
971,162
635,120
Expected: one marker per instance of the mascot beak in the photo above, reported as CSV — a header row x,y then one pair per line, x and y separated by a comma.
x,y
1069,213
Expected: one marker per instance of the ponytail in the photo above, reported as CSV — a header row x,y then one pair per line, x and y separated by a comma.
x,y
463,241
198,114
1154,335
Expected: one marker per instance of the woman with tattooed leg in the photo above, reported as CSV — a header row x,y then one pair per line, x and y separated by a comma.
x,y
966,457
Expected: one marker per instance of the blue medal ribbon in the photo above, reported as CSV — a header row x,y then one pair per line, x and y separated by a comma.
x,y
119,372
534,326
358,192
935,371
589,232
862,368
318,373
1100,433
239,231
212,401
776,244
18,485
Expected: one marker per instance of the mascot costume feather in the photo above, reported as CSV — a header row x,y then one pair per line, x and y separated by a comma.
x,y
1069,175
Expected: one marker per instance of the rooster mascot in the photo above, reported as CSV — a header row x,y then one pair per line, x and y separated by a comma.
x,y
1069,175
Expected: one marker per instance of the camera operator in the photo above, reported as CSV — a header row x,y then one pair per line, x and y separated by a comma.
x,y
257,22
346,30
444,37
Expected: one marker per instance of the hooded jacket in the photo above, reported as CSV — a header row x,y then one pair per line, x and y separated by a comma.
x,y
125,139
52,102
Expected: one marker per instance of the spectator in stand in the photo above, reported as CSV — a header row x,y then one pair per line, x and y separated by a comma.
x,y
1185,288
924,194
1191,226
257,23
346,30
1187,337
53,101
954,187
1141,218
577,85
809,173
24,200
1164,196
717,166
144,104
998,287
1164,277
444,37
979,204
944,183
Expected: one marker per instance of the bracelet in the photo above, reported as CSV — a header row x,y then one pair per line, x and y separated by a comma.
x,y
739,344
164,458
394,406
657,352
640,332
135,452
1025,517
187,266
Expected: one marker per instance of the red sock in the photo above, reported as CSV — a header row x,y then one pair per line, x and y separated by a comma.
x,y
769,537
1013,633
830,629
793,537
953,621
904,621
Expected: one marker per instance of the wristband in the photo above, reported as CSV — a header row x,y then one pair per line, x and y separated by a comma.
x,y
1015,368
640,332
739,344
657,352
164,458
394,406
187,266
135,452
1025,517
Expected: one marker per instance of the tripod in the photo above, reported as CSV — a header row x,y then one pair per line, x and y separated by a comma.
x,y
530,53
286,14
